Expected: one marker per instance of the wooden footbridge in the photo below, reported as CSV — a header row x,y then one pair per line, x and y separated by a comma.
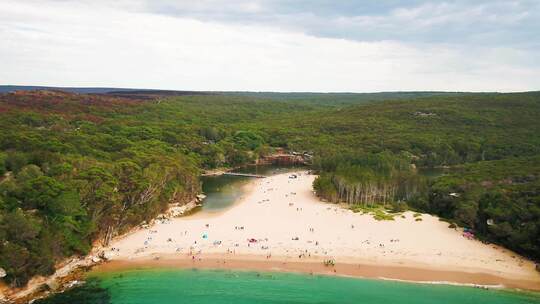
x,y
244,174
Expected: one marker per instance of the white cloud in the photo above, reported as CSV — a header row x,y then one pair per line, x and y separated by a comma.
x,y
85,44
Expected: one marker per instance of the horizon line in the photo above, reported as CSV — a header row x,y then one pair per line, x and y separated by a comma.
x,y
43,87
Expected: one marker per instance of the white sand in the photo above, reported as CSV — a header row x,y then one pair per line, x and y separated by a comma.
x,y
266,215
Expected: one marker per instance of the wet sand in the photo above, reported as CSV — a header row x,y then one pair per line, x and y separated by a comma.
x,y
314,266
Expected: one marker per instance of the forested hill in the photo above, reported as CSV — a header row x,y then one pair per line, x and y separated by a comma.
x,y
436,130
76,168
329,99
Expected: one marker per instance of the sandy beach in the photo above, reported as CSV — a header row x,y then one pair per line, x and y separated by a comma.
x,y
280,225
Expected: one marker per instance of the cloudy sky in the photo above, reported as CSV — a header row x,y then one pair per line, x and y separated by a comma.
x,y
273,45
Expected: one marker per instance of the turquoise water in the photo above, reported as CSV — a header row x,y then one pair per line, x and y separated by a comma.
x,y
216,287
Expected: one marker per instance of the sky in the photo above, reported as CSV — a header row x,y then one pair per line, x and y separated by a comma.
x,y
273,45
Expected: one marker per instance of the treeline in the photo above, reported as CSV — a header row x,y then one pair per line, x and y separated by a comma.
x,y
368,179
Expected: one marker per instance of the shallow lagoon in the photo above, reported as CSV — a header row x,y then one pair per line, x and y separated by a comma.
x,y
223,191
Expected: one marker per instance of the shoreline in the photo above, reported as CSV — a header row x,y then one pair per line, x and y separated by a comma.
x,y
361,270
277,208
286,223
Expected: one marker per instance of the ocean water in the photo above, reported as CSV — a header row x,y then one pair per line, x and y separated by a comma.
x,y
219,286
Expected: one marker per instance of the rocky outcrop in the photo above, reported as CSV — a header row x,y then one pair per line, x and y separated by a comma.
x,y
285,159
177,210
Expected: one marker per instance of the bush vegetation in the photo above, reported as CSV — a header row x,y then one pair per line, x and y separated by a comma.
x,y
76,169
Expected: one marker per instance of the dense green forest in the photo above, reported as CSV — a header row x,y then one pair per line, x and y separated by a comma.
x,y
75,169
368,179
499,199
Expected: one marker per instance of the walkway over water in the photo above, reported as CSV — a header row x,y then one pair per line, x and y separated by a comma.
x,y
244,174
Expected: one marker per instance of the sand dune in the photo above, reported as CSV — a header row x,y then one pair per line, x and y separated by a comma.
x,y
286,222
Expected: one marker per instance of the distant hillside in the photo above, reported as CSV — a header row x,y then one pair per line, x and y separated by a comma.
x,y
331,99
309,97
346,98
11,88
345,95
